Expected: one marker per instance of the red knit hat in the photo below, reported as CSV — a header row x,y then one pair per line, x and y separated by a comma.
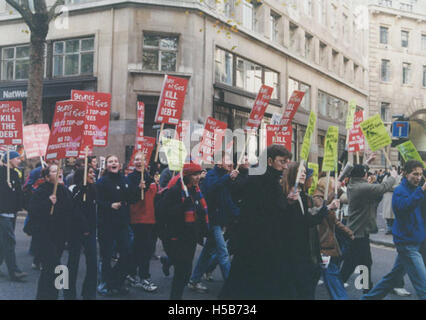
x,y
191,168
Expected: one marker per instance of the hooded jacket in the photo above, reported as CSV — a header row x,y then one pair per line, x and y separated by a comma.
x,y
408,227
11,199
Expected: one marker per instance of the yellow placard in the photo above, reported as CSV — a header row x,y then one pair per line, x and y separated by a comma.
x,y
408,151
304,152
330,149
315,167
351,115
175,152
375,132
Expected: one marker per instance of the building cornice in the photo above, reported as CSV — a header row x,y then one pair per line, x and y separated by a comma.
x,y
375,9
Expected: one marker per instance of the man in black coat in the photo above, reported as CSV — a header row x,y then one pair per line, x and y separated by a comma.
x,y
11,201
260,268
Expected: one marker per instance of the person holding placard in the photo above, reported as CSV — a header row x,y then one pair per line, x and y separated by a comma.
x,y
51,231
363,199
112,197
11,201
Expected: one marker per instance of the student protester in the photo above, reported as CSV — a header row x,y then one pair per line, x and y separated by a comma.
x,y
260,268
93,163
165,176
83,236
216,188
11,201
186,219
112,197
408,234
51,231
304,271
142,221
363,199
79,163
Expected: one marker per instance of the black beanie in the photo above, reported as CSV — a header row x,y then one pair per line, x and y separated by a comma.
x,y
358,171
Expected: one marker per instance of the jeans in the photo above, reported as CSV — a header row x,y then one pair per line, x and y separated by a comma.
x,y
389,224
143,248
215,244
408,260
7,244
90,281
333,282
108,233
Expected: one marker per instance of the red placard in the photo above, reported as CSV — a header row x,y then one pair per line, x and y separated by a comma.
x,y
214,131
10,123
183,130
147,146
36,138
291,109
274,135
356,138
67,129
259,107
97,118
139,125
172,98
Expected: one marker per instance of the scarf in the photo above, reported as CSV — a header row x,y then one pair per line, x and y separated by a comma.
x,y
190,211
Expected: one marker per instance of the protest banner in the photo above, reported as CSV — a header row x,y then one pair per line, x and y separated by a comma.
x,y
96,124
259,107
291,108
306,145
356,137
274,135
66,135
139,124
350,115
408,151
330,149
211,142
170,104
175,153
146,147
36,138
10,123
315,167
183,130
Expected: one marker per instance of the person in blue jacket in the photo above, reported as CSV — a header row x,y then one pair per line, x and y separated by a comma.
x,y
112,197
408,234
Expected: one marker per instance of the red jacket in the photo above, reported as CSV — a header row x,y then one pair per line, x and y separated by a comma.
x,y
143,210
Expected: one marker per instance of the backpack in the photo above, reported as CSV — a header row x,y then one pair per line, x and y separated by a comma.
x,y
160,212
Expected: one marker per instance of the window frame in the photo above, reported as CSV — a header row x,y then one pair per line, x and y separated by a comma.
x,y
387,69
386,29
403,32
158,49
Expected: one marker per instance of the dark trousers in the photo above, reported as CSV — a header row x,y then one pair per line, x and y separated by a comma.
x,y
358,253
181,253
7,244
50,257
108,233
88,243
305,279
143,248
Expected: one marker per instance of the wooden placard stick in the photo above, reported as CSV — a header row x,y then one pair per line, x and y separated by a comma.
x,y
143,175
158,142
299,172
55,188
86,162
357,157
327,185
183,184
8,168
387,158
243,151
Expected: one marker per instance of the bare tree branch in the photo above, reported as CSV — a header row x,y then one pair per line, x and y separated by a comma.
x,y
24,11
40,6
52,14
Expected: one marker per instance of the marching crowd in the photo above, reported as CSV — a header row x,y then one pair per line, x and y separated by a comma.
x,y
270,238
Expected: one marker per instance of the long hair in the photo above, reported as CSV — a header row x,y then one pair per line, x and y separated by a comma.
x,y
289,177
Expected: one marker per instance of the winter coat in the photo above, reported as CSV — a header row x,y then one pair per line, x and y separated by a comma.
x,y
51,227
260,268
11,199
84,213
387,200
111,188
216,189
408,227
363,199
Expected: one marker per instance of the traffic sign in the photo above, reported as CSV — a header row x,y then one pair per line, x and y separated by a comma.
x,y
400,129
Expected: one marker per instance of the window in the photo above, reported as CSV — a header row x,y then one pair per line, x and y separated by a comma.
x,y
423,42
404,39
273,25
384,35
249,75
225,7
15,63
159,52
323,54
73,57
308,46
356,69
297,85
308,7
406,6
271,79
424,76
385,70
332,107
293,36
223,66
336,61
384,111
385,3
248,15
406,73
